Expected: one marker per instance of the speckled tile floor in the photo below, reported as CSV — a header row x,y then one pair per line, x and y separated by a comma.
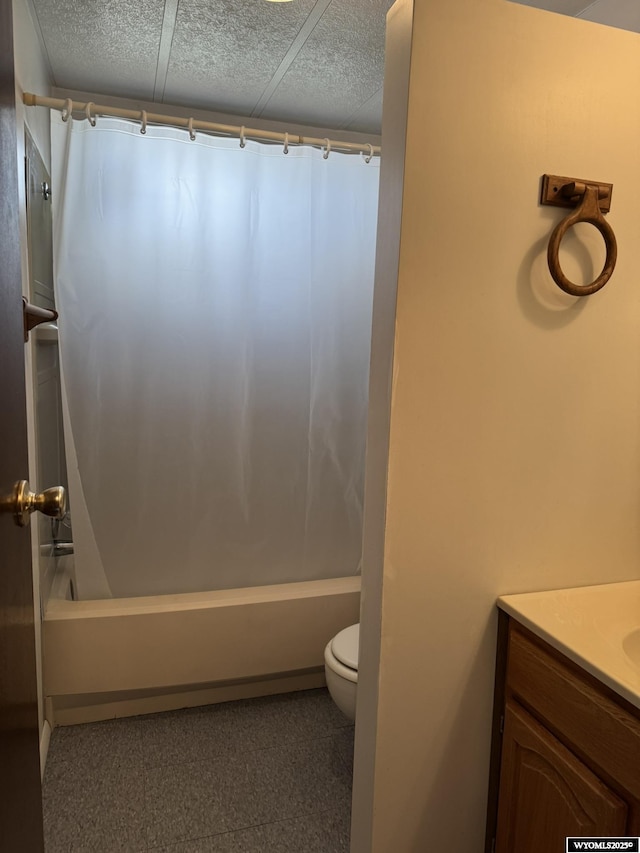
x,y
269,775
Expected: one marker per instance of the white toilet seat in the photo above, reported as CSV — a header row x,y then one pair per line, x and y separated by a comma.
x,y
339,668
345,646
341,653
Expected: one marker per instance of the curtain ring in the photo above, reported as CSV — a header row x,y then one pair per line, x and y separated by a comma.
x,y
67,109
87,112
242,140
368,158
143,126
285,150
327,149
192,133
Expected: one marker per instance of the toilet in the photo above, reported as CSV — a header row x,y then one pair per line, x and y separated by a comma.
x,y
341,669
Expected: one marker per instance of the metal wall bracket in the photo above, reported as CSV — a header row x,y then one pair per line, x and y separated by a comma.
x,y
559,191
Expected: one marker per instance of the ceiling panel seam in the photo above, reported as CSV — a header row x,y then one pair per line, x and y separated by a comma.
x,y
354,114
164,48
587,8
296,46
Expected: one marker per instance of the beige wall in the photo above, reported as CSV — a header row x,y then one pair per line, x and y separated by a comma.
x,y
32,74
515,425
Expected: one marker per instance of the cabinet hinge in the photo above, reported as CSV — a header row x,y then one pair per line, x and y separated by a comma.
x,y
501,731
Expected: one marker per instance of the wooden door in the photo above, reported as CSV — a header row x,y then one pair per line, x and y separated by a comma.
x,y
546,793
20,796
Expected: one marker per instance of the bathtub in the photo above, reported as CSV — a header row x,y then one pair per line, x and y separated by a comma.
x,y
119,657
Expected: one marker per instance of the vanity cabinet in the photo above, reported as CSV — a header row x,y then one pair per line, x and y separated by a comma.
x,y
565,752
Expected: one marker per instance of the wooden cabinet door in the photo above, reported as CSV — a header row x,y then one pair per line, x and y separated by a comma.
x,y
546,793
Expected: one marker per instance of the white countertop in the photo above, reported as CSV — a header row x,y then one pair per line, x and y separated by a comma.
x,y
597,627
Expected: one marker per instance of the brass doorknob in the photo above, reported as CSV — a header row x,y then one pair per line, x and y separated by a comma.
x,y
23,502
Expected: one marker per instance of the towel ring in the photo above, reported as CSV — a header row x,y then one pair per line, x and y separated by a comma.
x,y
587,211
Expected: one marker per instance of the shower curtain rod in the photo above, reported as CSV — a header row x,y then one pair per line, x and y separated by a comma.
x,y
91,110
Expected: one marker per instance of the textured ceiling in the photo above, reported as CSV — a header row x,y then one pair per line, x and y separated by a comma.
x,y
624,14
316,62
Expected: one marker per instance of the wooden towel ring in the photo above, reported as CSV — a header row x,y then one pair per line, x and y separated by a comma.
x,y
587,211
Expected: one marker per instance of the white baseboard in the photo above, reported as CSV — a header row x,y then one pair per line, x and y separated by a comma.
x,y
45,738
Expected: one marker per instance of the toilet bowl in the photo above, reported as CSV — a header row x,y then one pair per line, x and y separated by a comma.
x,y
341,669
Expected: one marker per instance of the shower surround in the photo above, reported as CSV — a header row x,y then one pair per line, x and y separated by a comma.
x,y
215,323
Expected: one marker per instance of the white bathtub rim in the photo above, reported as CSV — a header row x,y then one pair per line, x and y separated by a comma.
x,y
60,609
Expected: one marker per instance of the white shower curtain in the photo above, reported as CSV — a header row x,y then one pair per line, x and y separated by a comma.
x,y
215,313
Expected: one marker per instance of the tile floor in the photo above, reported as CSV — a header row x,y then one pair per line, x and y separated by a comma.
x,y
268,775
